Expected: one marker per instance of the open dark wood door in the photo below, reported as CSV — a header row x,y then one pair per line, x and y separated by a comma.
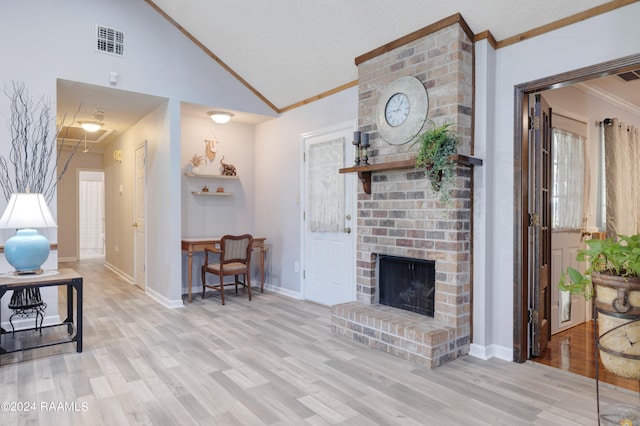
x,y
540,227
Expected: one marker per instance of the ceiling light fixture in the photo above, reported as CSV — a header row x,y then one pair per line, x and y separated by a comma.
x,y
90,126
220,117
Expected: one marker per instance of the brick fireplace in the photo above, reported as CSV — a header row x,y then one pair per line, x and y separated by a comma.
x,y
402,216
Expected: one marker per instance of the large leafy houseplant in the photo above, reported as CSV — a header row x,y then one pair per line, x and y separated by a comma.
x,y
613,278
437,148
619,257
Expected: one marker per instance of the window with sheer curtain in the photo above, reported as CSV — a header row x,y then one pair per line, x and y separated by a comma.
x,y
569,165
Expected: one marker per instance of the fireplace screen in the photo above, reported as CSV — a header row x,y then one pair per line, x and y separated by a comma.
x,y
407,283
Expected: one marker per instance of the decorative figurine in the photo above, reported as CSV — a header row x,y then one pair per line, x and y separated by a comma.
x,y
227,169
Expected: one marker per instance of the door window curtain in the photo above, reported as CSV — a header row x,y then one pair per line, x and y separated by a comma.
x,y
326,192
91,227
622,173
569,180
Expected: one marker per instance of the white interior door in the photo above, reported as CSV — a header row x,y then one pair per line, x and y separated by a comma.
x,y
570,201
91,214
139,215
566,310
329,212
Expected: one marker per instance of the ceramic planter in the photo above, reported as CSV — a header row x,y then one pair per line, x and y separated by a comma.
x,y
617,301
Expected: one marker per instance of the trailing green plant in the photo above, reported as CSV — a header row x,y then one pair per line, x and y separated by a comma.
x,y
611,256
438,146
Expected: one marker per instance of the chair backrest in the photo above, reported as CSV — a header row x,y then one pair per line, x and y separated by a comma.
x,y
236,248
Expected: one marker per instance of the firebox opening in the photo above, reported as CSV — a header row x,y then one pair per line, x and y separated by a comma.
x,y
407,283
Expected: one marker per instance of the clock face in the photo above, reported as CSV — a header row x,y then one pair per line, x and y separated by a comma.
x,y
397,109
402,110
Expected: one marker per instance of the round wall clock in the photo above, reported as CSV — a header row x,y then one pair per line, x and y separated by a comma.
x,y
402,110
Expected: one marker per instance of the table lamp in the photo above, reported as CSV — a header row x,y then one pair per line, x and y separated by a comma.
x,y
27,250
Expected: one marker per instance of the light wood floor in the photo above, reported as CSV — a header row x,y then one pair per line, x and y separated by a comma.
x,y
272,361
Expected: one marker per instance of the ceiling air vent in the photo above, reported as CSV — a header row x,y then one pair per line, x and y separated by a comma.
x,y
630,76
109,40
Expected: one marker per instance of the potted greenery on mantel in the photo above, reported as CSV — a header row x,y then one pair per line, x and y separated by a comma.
x,y
612,277
436,154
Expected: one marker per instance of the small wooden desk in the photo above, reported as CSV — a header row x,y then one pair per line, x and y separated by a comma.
x,y
66,277
194,245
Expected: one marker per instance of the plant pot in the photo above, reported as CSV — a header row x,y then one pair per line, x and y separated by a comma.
x,y
617,302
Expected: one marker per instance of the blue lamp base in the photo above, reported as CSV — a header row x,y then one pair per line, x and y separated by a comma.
x,y
27,251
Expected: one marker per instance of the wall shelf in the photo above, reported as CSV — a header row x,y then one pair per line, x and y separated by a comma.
x,y
210,193
364,172
210,176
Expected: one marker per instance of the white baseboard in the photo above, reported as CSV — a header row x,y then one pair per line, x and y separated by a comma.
x,y
67,259
491,351
168,303
128,278
283,291
255,286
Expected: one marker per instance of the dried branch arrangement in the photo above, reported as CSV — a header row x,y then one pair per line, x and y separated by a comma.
x,y
196,160
34,163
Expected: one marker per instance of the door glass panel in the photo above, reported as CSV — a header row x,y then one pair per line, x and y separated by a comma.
x,y
326,187
567,199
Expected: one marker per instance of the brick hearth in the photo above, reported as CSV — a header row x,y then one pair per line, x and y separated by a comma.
x,y
405,334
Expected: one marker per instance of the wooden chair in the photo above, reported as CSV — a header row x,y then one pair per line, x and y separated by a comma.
x,y
235,259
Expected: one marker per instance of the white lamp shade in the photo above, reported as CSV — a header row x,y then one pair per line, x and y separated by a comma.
x,y
27,210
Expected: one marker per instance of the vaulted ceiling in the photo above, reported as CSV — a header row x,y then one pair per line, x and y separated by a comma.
x,y
293,50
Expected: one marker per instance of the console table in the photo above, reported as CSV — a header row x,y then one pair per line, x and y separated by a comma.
x,y
63,277
194,245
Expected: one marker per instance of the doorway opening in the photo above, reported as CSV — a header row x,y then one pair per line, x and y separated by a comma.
x,y
526,246
91,244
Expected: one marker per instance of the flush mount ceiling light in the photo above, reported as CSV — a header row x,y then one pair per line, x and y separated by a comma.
x,y
95,124
220,117
90,126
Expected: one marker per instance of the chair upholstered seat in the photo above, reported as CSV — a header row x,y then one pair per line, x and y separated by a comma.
x,y
229,267
235,259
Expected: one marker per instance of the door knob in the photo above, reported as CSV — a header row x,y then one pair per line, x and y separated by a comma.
x,y
347,230
135,225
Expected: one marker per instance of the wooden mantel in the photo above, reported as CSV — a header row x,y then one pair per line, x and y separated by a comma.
x,y
364,172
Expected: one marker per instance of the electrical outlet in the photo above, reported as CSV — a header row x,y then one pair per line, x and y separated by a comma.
x,y
296,267
117,249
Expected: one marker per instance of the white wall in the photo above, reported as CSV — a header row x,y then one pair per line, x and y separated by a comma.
x,y
278,154
55,40
599,39
211,216
483,196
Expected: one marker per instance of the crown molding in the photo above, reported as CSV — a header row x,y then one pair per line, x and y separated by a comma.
x,y
609,98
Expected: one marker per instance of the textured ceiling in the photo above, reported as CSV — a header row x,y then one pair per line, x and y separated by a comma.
x,y
292,50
